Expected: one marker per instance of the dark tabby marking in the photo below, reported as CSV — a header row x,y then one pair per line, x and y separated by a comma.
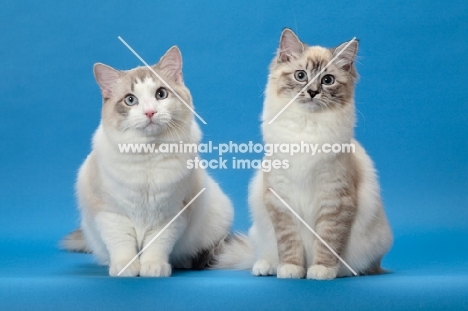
x,y
207,258
202,259
290,246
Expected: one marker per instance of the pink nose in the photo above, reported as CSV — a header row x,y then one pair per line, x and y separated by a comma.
x,y
150,113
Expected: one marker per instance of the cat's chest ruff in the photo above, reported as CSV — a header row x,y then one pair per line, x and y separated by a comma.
x,y
302,176
154,183
152,170
302,172
290,132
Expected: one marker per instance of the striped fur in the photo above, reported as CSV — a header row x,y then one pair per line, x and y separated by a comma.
x,y
337,195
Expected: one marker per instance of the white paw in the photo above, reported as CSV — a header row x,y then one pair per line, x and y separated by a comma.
x,y
290,271
319,272
155,269
263,267
132,270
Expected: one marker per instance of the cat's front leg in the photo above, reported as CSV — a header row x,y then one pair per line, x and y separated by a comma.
x,y
155,258
118,234
333,225
290,246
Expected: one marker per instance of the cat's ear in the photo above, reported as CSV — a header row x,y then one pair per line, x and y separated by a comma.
x,y
106,77
290,46
347,54
171,64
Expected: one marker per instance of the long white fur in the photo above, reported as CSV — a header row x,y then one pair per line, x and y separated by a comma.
x,y
370,236
125,199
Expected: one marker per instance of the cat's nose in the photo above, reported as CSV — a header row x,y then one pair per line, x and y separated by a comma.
x,y
150,113
312,93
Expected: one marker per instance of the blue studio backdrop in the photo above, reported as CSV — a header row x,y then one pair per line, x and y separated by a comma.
x,y
412,119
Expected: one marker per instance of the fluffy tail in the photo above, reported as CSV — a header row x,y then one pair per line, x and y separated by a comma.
x,y
234,252
75,242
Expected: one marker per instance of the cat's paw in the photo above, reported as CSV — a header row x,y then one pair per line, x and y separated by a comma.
x,y
155,269
290,271
132,270
320,272
263,267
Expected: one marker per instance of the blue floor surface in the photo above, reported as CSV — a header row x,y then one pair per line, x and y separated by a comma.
x,y
412,118
428,271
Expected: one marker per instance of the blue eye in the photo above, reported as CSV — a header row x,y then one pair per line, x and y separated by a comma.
x,y
131,100
328,79
161,93
300,75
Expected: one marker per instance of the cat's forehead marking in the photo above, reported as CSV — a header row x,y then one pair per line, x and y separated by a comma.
x,y
146,85
318,56
141,79
139,76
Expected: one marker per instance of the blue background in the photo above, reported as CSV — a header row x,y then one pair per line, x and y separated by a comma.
x,y
412,119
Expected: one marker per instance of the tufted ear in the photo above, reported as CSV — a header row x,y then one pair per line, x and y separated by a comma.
x,y
348,54
290,46
171,64
106,77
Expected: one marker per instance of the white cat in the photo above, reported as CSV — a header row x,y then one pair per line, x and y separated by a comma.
x,y
336,194
126,199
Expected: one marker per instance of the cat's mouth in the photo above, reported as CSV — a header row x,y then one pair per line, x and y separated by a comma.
x,y
151,127
310,101
155,126
310,104
152,123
